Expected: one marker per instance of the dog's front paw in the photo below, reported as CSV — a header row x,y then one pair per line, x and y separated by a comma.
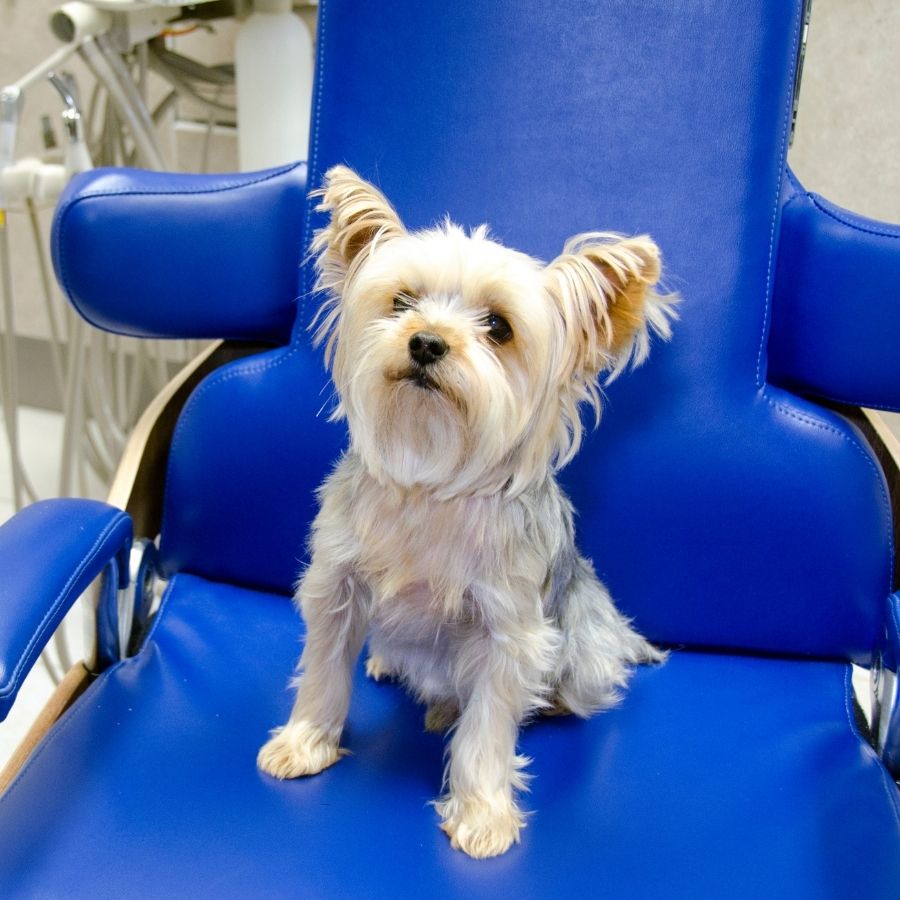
x,y
479,827
378,670
299,748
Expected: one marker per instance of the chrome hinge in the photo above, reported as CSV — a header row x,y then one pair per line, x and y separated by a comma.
x,y
884,701
117,618
135,609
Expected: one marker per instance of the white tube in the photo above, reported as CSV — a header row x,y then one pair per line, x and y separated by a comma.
x,y
10,108
77,21
29,179
72,409
17,181
21,484
274,72
106,68
56,340
42,70
50,182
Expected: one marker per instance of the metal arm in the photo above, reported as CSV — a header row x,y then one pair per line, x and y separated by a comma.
x,y
885,692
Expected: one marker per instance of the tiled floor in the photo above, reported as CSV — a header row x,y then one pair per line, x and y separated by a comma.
x,y
41,438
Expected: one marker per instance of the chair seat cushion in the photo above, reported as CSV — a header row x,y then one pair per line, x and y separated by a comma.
x,y
717,776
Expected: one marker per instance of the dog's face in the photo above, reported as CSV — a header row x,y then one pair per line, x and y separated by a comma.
x,y
460,363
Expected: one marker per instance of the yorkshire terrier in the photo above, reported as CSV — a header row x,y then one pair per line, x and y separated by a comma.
x,y
442,535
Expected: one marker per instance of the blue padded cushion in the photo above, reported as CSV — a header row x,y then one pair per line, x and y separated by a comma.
x,y
719,776
157,255
720,510
836,309
50,552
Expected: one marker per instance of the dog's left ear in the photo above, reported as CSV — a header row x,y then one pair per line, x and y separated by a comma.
x,y
603,286
361,217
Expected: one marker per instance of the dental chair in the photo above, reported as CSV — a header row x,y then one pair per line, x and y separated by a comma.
x,y
734,498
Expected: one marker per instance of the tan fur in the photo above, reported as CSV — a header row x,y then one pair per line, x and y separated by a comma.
x,y
441,715
442,534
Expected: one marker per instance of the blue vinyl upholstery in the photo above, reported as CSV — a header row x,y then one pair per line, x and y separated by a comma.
x,y
721,511
49,555
890,662
719,776
836,309
239,233
741,524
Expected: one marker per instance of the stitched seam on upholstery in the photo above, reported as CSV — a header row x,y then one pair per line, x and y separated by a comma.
x,y
835,399
794,180
312,167
845,220
12,684
891,407
879,476
790,200
240,369
886,781
221,188
74,711
216,379
762,384
71,204
63,266
824,426
770,274
248,368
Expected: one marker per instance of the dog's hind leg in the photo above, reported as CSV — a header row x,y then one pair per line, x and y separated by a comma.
x,y
599,647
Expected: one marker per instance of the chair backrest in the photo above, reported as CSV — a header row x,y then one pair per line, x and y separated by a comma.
x,y
720,510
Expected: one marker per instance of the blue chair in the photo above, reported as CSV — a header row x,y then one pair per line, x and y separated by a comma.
x,y
733,511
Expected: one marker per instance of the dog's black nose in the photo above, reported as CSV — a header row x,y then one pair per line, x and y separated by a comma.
x,y
425,347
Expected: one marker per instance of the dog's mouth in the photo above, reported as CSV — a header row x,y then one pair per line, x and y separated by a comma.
x,y
420,378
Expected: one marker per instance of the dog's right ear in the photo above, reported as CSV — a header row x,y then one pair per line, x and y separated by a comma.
x,y
361,217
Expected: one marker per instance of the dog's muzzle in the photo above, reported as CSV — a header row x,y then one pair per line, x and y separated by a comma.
x,y
426,348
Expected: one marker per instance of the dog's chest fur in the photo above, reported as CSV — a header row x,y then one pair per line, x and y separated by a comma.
x,y
438,568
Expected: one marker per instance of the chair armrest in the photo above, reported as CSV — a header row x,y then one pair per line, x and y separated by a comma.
x,y
49,554
887,689
836,305
171,255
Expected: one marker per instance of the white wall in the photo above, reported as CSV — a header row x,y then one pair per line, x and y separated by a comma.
x,y
847,145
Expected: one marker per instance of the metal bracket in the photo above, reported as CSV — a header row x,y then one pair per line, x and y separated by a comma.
x,y
798,73
143,585
11,101
101,633
884,701
118,616
886,689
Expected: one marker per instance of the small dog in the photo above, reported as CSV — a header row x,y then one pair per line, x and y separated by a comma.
x,y
460,366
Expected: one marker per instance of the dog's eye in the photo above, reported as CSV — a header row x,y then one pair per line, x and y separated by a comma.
x,y
499,330
403,302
